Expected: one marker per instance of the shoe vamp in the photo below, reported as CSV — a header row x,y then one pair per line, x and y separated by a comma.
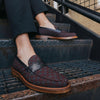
x,y
50,74
40,81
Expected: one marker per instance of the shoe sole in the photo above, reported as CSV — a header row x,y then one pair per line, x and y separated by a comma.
x,y
39,88
44,37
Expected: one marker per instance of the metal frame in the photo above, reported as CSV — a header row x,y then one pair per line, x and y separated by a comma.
x,y
82,10
91,4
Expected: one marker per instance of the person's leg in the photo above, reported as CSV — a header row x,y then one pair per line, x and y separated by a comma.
x,y
47,29
21,20
38,8
24,48
43,21
20,16
27,66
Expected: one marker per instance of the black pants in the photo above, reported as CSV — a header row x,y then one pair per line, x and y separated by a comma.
x,y
21,13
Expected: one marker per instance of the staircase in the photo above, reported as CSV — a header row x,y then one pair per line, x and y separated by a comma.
x,y
69,57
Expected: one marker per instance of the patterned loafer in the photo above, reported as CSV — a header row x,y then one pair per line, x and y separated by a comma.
x,y
45,33
39,77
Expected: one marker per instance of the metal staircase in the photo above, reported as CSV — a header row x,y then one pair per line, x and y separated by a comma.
x,y
78,60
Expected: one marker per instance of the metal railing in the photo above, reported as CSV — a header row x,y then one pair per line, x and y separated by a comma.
x,y
77,8
91,4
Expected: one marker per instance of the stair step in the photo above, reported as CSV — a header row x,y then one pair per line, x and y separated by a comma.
x,y
56,51
5,31
71,69
62,26
77,68
51,17
50,51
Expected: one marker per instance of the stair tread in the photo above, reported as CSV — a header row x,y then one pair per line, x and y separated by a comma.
x,y
77,69
71,69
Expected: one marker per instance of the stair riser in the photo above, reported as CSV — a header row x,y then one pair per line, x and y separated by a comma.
x,y
60,53
50,51
7,56
5,31
51,17
62,26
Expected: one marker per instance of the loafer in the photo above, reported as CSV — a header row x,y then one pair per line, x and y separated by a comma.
x,y
39,77
45,33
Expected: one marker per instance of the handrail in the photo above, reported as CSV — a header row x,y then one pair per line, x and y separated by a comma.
x,y
82,10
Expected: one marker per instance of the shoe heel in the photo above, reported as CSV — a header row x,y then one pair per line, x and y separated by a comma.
x,y
44,38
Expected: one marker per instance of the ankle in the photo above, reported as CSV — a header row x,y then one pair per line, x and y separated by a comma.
x,y
28,50
24,48
45,22
24,54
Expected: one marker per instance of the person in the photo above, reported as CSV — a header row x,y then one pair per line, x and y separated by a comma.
x,y
27,65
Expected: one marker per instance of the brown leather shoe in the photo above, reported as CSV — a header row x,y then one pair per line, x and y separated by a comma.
x,y
45,33
39,77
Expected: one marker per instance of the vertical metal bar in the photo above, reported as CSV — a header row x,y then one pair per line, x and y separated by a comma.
x,y
84,3
89,3
63,8
94,4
